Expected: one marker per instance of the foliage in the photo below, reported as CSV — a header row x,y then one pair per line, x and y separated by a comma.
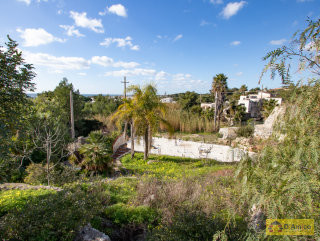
x,y
54,216
188,100
122,190
17,199
97,153
102,105
146,112
267,107
165,167
284,182
124,214
219,87
304,48
55,105
194,208
245,131
185,121
60,175
15,80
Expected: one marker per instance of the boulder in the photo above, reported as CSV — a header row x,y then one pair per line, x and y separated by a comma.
x,y
228,132
87,233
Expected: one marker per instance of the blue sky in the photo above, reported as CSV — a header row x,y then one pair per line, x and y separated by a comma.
x,y
177,44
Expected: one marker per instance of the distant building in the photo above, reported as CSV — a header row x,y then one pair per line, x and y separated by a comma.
x,y
253,102
207,105
167,100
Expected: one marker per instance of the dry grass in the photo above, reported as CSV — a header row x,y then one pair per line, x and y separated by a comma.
x,y
213,194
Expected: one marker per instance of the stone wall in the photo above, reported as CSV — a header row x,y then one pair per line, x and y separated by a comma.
x,y
265,130
197,150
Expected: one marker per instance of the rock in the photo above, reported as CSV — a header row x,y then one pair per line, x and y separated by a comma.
x,y
87,233
265,130
257,220
228,132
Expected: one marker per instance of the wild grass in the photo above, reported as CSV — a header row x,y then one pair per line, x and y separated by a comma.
x,y
17,199
186,121
165,167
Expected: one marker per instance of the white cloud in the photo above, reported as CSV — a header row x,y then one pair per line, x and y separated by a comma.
x,y
28,2
25,1
109,62
81,20
216,1
161,76
82,74
121,43
278,42
71,30
117,9
239,73
235,43
180,36
56,63
232,9
181,77
34,37
133,72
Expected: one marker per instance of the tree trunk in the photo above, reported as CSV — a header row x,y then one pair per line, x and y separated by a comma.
x,y
132,140
215,110
146,143
125,130
149,138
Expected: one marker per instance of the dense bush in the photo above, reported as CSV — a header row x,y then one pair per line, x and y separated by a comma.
x,y
17,199
284,182
124,214
59,175
54,216
97,152
245,131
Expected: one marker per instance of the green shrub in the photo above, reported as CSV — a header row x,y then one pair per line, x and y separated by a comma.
x,y
59,175
125,214
17,199
97,152
122,190
54,216
284,181
245,131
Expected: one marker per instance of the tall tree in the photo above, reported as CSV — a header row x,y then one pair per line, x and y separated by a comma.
x,y
56,104
146,112
15,80
219,88
127,113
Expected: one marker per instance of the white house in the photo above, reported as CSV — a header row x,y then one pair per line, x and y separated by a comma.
x,y
253,102
167,100
207,105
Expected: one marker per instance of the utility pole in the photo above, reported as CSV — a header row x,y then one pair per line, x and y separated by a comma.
x,y
125,82
72,116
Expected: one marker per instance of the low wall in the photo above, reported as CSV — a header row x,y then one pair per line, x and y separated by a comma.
x,y
173,147
121,140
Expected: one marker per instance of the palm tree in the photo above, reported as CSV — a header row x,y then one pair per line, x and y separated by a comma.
x,y
126,113
97,153
145,112
219,87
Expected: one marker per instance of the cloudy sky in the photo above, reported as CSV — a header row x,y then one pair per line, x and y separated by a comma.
x,y
177,44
